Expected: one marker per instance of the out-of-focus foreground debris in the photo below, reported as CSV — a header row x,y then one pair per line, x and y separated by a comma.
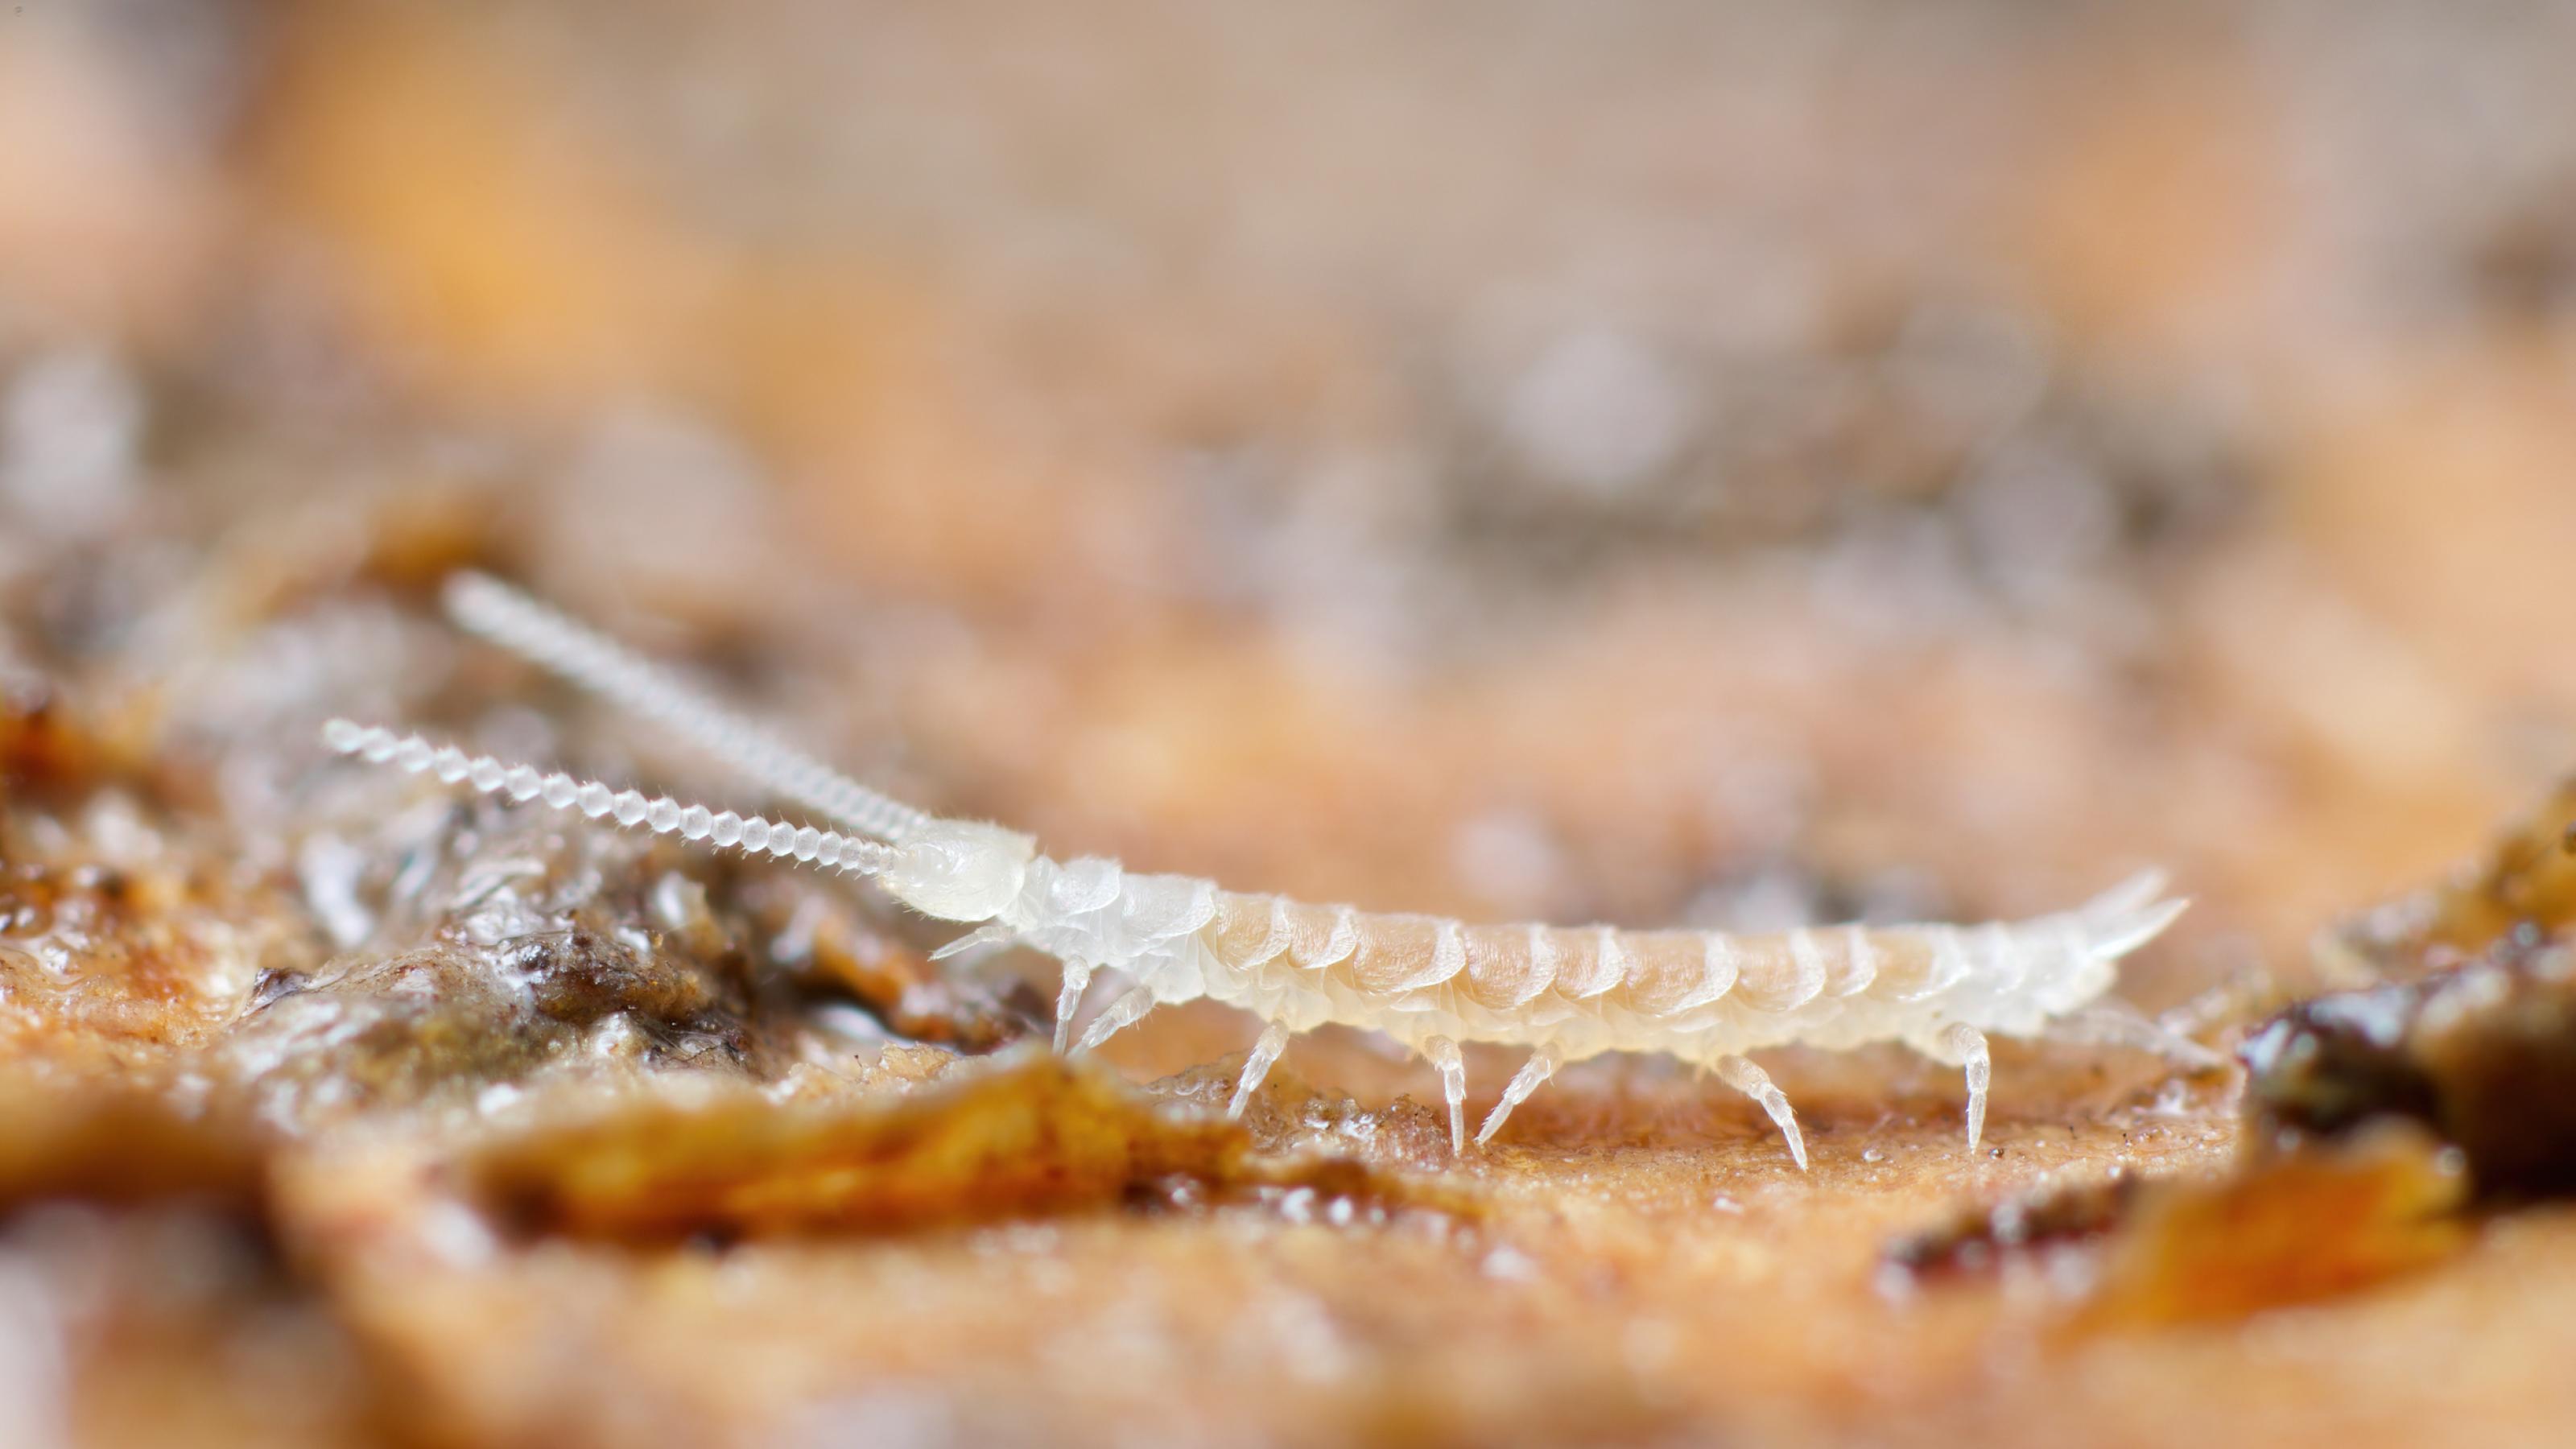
x,y
2474,1033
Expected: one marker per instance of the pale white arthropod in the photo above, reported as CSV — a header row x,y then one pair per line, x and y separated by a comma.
x,y
1707,997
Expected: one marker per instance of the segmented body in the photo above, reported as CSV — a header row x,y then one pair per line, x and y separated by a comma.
x,y
1698,995
1707,997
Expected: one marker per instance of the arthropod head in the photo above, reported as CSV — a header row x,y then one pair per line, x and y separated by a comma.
x,y
959,870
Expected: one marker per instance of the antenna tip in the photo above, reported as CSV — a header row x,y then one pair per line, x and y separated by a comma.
x,y
469,589
344,736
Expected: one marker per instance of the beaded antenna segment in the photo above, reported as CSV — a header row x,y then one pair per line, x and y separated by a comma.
x,y
610,670
631,808
1707,997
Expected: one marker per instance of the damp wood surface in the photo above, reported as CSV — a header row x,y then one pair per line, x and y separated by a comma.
x,y
1700,467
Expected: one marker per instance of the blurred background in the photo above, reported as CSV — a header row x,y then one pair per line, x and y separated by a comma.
x,y
1644,461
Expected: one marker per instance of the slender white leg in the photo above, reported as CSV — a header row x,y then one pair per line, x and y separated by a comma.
x,y
2116,1025
977,941
1077,980
1453,1084
1123,1013
1741,1074
1265,1053
1541,1065
1964,1045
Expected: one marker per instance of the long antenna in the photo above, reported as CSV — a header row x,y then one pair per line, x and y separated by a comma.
x,y
520,624
661,815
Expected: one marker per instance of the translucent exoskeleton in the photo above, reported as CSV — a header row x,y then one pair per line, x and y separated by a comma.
x,y
1565,993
